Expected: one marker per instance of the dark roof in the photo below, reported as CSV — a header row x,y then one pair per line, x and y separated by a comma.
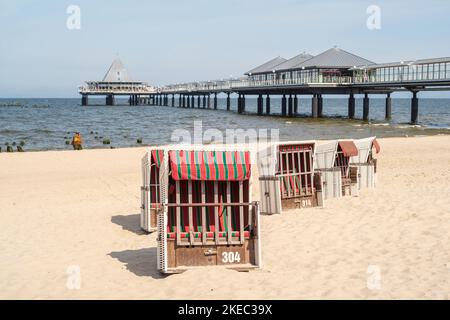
x,y
294,62
335,58
267,66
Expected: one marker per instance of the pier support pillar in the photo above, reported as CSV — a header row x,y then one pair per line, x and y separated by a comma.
x,y
414,108
183,101
173,100
320,106
188,101
388,113
283,105
110,100
290,106
260,105
315,106
84,100
239,104
366,107
204,102
295,104
243,103
192,102
209,101
268,105
198,102
215,101
228,102
351,106
179,101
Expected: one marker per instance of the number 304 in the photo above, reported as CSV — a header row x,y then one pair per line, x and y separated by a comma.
x,y
231,257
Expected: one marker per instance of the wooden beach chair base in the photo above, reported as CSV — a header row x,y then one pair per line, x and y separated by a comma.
x,y
183,257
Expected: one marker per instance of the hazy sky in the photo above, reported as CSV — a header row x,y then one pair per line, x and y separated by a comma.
x,y
168,41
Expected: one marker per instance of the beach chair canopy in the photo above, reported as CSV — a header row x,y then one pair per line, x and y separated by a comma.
x,y
348,148
210,165
364,148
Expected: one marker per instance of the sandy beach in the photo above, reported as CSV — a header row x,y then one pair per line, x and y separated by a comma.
x,y
61,210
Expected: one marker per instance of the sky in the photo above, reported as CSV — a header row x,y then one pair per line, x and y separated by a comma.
x,y
172,41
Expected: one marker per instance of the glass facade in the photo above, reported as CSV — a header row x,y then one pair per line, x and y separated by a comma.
x,y
393,73
413,72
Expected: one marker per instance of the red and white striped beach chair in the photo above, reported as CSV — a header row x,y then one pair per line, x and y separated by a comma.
x,y
203,209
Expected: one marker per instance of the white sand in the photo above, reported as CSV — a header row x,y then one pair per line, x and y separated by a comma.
x,y
66,208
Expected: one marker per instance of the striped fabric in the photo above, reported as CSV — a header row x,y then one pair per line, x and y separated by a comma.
x,y
157,157
210,165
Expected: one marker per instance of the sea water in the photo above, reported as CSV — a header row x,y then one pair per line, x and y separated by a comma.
x,y
46,124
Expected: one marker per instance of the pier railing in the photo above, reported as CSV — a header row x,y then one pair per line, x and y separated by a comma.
x,y
317,81
141,89
230,85
431,71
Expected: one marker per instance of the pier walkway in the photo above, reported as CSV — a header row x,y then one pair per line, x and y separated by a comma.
x,y
335,72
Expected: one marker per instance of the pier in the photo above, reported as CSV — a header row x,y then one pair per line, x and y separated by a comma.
x,y
332,72
116,82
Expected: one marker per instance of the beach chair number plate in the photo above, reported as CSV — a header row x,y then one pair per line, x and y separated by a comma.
x,y
231,257
304,203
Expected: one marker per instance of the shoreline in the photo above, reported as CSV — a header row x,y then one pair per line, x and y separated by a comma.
x,y
164,144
